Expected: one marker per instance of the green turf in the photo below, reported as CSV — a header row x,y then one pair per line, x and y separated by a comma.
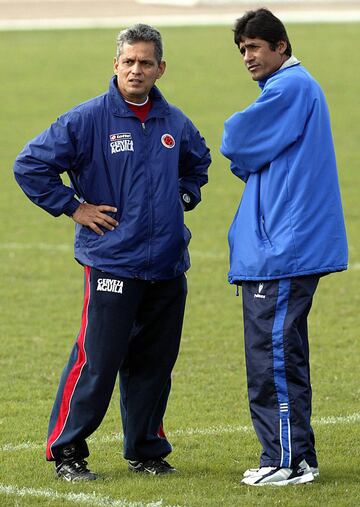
x,y
44,74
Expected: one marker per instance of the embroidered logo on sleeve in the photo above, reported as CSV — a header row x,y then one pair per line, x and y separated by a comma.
x,y
168,141
121,142
109,285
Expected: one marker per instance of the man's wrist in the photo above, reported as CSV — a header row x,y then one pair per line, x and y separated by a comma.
x,y
70,208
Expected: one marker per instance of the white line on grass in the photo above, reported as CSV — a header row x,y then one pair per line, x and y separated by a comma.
x,y
37,246
212,430
64,247
77,498
105,501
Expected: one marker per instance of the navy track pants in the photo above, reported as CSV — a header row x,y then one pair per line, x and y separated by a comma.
x,y
132,328
278,369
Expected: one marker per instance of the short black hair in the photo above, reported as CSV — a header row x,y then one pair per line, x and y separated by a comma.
x,y
261,24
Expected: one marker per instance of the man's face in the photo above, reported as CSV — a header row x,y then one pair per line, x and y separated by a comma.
x,y
137,70
260,60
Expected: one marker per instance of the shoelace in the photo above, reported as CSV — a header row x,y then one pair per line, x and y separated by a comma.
x,y
78,464
158,462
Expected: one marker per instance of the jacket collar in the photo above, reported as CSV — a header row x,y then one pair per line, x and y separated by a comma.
x,y
118,106
290,62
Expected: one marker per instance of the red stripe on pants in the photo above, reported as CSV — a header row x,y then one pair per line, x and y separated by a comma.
x,y
74,375
161,431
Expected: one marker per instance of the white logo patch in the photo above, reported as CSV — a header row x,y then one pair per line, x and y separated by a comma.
x,y
121,142
109,285
168,141
259,295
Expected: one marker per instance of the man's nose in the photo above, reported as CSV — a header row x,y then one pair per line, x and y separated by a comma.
x,y
247,56
136,68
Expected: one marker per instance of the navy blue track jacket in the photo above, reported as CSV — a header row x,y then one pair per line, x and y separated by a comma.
x,y
114,159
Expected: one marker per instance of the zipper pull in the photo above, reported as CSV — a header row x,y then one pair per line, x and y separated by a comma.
x,y
143,126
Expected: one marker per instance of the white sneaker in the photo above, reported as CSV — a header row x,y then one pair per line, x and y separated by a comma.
x,y
315,471
251,471
276,476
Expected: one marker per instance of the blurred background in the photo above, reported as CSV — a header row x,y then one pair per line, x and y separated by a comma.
x,y
102,13
46,71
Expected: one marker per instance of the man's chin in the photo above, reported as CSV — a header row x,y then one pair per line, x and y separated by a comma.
x,y
137,95
257,76
136,90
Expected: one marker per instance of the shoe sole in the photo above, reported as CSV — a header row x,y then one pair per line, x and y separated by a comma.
x,y
254,471
76,479
297,480
150,472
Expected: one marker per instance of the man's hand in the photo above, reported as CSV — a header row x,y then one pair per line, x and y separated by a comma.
x,y
94,216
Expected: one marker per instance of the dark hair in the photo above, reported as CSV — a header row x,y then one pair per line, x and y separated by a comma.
x,y
140,33
264,25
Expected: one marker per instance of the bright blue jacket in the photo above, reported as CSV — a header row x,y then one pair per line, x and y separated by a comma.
x,y
112,158
290,219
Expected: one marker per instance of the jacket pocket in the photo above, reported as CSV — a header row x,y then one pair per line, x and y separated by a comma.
x,y
264,234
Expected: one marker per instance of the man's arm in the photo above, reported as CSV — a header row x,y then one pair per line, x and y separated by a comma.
x,y
240,173
193,166
39,166
256,136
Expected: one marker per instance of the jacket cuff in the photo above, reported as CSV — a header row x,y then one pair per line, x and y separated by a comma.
x,y
70,208
188,200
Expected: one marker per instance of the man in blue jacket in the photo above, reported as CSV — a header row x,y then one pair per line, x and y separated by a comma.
x,y
287,233
135,163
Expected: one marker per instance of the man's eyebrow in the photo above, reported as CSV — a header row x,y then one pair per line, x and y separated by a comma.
x,y
248,44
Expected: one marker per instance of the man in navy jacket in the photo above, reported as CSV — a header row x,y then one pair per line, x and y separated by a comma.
x,y
135,163
288,231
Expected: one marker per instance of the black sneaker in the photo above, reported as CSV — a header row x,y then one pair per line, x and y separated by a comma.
x,y
72,467
157,466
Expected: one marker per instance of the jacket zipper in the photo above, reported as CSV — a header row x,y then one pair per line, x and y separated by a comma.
x,y
149,206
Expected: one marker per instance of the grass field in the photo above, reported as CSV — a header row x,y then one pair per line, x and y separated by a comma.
x,y
44,74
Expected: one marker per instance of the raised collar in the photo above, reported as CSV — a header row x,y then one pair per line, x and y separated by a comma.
x,y
160,107
290,62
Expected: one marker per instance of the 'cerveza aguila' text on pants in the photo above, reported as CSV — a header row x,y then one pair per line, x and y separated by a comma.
x,y
131,327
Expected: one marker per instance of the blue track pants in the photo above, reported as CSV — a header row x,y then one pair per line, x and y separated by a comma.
x,y
278,370
131,328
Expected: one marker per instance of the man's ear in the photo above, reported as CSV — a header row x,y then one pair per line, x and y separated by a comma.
x,y
161,69
115,64
282,46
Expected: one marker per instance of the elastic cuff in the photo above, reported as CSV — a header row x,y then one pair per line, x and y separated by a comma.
x,y
188,200
70,208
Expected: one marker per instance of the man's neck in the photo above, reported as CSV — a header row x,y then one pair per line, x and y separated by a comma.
x,y
289,62
139,104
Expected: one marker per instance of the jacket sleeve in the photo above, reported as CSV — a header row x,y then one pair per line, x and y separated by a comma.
x,y
240,173
38,167
193,165
253,138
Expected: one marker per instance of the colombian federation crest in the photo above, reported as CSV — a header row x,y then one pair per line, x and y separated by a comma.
x,y
168,141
